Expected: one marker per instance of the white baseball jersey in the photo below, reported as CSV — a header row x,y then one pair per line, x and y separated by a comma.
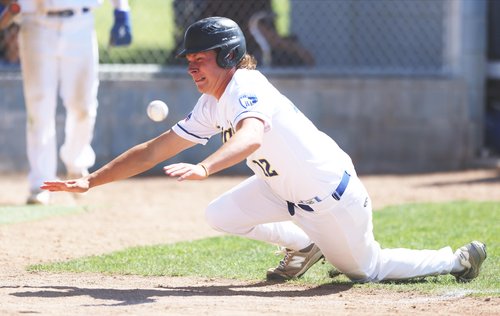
x,y
290,138
298,163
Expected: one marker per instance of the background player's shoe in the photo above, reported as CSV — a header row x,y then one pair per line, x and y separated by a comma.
x,y
295,263
471,257
39,197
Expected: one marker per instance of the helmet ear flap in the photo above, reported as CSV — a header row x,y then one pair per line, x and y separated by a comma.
x,y
227,56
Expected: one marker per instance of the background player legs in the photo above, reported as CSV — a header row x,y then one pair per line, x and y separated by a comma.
x,y
40,82
79,84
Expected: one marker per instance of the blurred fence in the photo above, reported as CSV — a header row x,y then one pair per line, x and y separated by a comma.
x,y
387,124
326,36
330,36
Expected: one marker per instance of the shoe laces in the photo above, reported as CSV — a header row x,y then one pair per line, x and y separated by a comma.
x,y
288,254
464,256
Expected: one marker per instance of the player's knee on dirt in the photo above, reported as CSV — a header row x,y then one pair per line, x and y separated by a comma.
x,y
353,272
212,216
215,217
359,278
222,218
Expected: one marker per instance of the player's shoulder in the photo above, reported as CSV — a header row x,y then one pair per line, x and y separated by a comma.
x,y
245,81
246,76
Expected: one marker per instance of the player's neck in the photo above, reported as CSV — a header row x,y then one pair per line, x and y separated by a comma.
x,y
224,82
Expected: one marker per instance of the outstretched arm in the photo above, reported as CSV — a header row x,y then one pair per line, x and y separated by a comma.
x,y
132,162
247,139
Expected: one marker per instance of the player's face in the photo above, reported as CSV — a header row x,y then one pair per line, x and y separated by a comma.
x,y
208,77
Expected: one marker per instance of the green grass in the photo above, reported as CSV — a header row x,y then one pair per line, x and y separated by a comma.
x,y
24,213
282,10
419,226
432,226
152,32
154,29
224,257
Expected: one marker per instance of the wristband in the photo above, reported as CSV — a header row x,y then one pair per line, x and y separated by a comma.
x,y
204,168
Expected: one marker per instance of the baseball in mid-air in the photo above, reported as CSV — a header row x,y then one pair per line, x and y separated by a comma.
x,y
157,110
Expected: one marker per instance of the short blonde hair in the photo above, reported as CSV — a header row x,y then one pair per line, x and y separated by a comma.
x,y
247,62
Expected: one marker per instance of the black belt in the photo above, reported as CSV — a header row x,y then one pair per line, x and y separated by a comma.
x,y
337,194
65,13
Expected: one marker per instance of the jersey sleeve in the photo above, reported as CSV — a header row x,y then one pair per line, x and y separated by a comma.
x,y
198,126
252,105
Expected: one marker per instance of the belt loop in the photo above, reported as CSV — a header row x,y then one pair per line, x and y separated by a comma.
x,y
291,208
305,207
337,194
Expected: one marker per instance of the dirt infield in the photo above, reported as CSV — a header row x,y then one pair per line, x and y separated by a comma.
x,y
145,211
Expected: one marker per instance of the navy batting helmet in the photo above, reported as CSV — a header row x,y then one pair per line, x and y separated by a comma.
x,y
216,33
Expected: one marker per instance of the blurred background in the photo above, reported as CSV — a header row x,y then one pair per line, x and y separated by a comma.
x,y
403,86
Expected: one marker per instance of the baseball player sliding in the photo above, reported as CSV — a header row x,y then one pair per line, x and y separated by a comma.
x,y
305,194
59,57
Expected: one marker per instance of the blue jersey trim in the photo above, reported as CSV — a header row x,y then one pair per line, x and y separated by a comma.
x,y
236,118
244,112
191,133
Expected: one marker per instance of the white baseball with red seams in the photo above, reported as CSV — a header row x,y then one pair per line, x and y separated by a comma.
x,y
157,110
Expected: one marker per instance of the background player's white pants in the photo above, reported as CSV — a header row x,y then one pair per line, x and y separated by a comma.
x,y
59,54
342,230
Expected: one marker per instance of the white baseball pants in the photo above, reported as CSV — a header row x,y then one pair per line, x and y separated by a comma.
x,y
59,54
342,229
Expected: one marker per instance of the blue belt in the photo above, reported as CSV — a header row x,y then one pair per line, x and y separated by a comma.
x,y
337,194
65,13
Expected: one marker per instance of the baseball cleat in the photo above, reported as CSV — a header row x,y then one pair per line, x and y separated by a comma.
x,y
295,263
471,257
39,197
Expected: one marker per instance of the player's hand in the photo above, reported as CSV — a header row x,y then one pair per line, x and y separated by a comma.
x,y
185,171
121,32
77,186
